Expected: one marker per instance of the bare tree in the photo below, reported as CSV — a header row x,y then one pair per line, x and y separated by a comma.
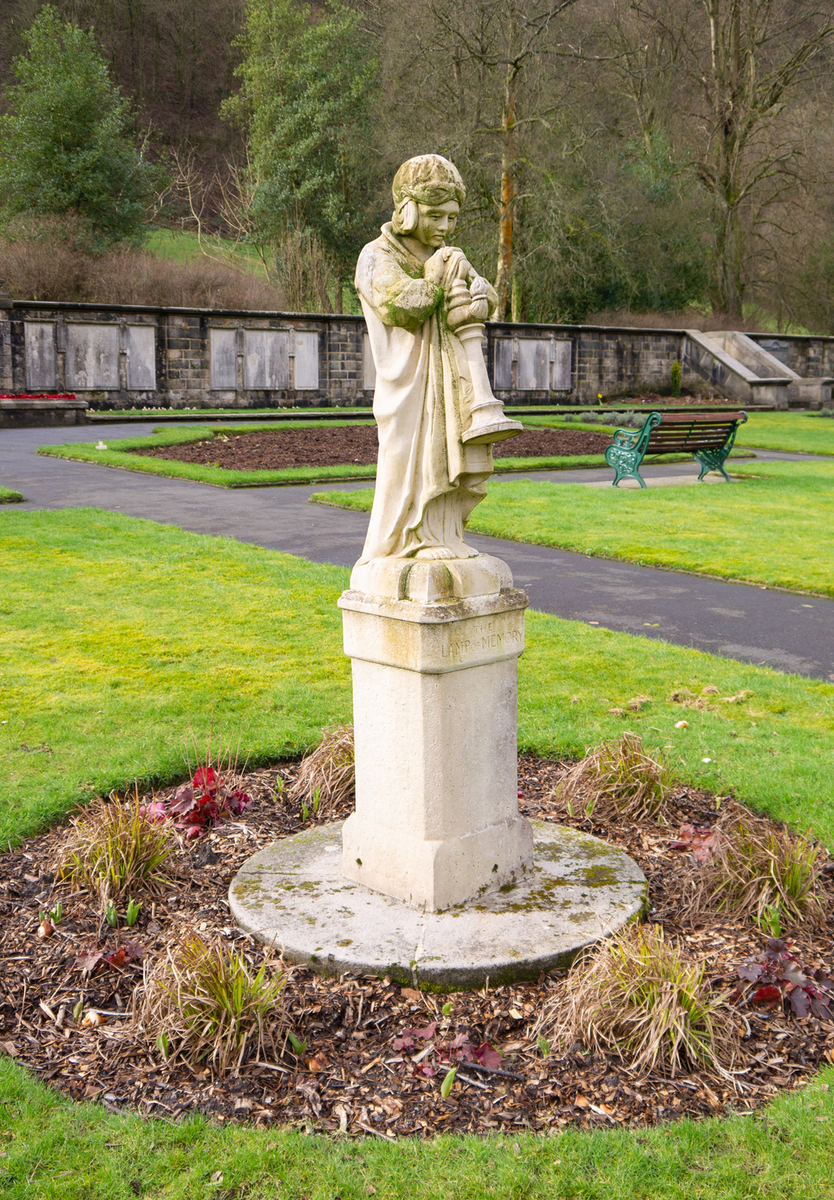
x,y
483,71
744,71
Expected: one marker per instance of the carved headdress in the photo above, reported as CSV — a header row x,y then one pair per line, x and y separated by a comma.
x,y
427,179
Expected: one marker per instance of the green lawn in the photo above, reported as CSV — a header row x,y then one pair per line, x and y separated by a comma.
x,y
118,454
774,526
124,643
9,496
56,1150
800,432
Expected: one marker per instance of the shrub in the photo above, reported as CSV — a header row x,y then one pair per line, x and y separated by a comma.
x,y
618,779
675,378
326,781
770,875
636,996
115,850
203,1002
66,137
41,260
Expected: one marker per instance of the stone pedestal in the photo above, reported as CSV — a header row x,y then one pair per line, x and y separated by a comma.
x,y
434,646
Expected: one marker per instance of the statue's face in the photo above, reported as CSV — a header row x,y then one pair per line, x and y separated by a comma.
x,y
435,222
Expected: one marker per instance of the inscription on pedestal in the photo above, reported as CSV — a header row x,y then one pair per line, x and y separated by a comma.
x,y
461,649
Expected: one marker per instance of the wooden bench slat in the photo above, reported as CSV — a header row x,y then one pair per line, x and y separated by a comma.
x,y
697,418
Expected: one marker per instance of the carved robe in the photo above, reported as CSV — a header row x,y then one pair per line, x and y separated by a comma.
x,y
427,481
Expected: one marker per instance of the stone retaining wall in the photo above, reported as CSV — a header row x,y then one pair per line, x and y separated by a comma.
x,y
810,357
119,356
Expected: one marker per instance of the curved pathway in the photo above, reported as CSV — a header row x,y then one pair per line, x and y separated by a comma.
x,y
770,628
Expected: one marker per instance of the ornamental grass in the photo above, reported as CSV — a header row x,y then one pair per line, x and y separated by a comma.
x,y
617,779
326,781
115,849
772,876
638,997
206,1003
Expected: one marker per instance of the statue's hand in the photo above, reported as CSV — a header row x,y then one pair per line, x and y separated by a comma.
x,y
479,308
446,265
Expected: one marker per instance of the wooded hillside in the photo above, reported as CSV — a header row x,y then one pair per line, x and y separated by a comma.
x,y
620,155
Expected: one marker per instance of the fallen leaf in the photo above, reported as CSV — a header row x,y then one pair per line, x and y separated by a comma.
x,y
317,1063
581,1102
488,1057
767,995
88,960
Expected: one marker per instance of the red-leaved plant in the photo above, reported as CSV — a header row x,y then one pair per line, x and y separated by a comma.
x,y
200,804
457,1050
96,956
781,980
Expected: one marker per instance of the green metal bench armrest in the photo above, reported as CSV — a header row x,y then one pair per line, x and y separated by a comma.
x,y
626,453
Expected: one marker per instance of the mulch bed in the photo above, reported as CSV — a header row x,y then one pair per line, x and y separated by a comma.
x,y
336,445
351,1075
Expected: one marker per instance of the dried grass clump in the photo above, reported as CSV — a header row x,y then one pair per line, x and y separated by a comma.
x,y
205,1003
115,850
638,997
689,318
45,259
768,874
618,779
326,781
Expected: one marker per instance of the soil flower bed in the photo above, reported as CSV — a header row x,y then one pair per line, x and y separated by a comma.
x,y
334,445
368,1055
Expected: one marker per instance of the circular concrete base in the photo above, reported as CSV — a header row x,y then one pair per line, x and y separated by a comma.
x,y
293,896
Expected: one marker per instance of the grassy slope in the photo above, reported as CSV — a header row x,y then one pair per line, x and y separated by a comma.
x,y
775,526
182,246
125,642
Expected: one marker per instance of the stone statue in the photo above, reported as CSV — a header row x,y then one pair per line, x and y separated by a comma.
x,y
425,307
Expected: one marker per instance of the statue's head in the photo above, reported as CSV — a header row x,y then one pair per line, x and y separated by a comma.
x,y
426,182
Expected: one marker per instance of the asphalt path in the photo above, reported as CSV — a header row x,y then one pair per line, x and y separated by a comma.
x,y
786,631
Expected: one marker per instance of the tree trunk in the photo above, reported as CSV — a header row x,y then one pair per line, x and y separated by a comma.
x,y
506,213
731,65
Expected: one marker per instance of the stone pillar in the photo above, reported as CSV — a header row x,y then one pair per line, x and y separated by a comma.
x,y
435,646
5,341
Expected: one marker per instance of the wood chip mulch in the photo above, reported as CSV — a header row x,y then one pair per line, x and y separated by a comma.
x,y
351,1077
335,445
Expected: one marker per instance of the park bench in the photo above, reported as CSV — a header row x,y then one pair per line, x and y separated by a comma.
x,y
708,437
